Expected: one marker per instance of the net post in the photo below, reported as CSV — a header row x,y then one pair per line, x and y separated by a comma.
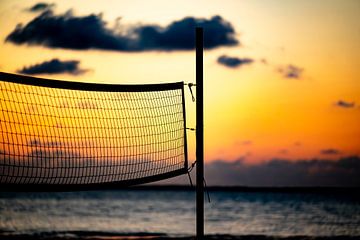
x,y
199,134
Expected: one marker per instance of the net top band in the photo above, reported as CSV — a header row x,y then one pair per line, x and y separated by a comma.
x,y
82,86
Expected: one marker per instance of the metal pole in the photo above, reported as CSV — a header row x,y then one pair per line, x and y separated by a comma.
x,y
199,134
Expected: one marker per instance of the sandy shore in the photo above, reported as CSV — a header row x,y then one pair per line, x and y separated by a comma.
x,y
50,236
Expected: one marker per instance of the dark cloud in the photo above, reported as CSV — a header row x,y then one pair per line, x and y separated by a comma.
x,y
345,104
54,66
281,172
330,151
40,7
291,72
233,62
90,32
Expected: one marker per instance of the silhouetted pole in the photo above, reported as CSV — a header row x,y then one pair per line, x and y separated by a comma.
x,y
199,134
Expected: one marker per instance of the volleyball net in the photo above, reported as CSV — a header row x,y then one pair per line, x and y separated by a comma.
x,y
60,135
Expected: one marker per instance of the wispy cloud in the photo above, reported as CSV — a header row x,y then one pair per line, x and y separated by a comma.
x,y
284,151
246,142
54,66
264,61
291,72
87,105
90,32
233,62
345,104
330,151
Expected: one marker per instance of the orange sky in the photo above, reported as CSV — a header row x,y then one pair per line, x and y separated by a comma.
x,y
251,111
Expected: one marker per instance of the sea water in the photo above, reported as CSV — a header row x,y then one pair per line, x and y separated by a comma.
x,y
173,212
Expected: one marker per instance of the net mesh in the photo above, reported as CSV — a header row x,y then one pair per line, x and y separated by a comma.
x,y
56,132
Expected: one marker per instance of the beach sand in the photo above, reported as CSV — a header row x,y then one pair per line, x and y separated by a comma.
x,y
145,236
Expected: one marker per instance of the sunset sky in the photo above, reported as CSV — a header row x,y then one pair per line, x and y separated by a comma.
x,y
284,85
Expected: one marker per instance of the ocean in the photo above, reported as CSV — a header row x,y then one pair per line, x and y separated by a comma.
x,y
172,213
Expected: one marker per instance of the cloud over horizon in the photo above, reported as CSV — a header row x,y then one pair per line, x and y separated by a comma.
x,y
277,172
54,66
343,172
233,62
90,32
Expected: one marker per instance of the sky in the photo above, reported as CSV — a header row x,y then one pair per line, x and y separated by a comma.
x,y
281,77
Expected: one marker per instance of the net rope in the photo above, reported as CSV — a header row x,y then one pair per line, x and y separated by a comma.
x,y
65,133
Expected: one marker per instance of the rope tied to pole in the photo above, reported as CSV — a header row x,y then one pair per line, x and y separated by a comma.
x,y
190,85
189,171
204,181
